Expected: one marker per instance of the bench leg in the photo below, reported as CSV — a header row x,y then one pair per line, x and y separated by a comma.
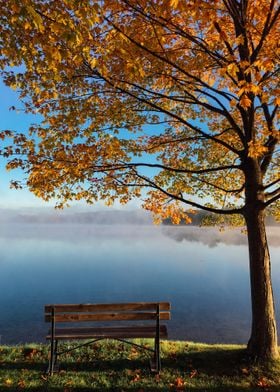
x,y
157,355
155,362
53,357
157,342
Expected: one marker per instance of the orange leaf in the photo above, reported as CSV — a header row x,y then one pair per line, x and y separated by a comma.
x,y
136,378
179,382
262,383
245,371
245,102
174,3
21,384
193,373
157,377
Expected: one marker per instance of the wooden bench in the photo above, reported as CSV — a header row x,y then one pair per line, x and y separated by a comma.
x,y
148,313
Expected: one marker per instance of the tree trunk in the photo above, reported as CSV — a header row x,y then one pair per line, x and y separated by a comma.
x,y
263,341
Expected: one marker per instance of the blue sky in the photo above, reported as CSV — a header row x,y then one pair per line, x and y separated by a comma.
x,y
13,120
17,120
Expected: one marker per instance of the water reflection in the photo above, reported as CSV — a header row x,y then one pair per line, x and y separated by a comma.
x,y
213,236
203,273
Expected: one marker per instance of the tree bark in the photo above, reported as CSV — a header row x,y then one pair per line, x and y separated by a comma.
x,y
263,341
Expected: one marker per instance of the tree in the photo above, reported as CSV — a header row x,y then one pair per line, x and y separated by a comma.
x,y
173,101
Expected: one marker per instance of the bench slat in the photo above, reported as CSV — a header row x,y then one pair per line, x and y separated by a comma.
x,y
108,332
133,306
72,317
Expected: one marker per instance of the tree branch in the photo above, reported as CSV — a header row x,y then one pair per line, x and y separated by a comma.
x,y
266,29
121,166
273,193
272,183
232,191
175,116
272,200
189,202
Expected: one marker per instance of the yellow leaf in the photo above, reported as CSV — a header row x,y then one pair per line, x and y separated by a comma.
x,y
38,21
15,8
239,40
232,69
57,56
78,38
268,65
174,3
57,28
92,63
27,26
256,149
245,102
255,89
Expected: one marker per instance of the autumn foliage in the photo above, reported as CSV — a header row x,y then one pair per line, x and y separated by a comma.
x,y
174,101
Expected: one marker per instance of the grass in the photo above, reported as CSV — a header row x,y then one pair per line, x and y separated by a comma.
x,y
114,366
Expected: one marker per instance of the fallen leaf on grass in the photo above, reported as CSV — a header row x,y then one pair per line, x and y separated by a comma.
x,y
136,378
178,384
193,373
29,353
136,375
21,384
8,381
245,371
263,383
133,353
157,377
68,383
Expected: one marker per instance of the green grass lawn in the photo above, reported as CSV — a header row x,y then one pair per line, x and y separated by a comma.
x,y
113,366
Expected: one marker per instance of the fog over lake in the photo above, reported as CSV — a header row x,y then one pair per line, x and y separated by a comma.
x,y
120,256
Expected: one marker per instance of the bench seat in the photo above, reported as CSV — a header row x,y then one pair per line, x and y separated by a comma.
x,y
125,332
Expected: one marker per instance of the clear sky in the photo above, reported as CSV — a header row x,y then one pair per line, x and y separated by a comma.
x,y
17,120
13,120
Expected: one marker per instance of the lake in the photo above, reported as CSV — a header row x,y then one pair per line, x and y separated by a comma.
x,y
203,273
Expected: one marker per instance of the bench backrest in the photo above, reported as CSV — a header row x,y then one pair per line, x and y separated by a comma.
x,y
107,312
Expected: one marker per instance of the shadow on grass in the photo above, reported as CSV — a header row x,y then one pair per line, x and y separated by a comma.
x,y
138,389
209,364
81,366
36,366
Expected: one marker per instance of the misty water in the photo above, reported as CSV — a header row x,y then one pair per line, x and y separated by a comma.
x,y
203,273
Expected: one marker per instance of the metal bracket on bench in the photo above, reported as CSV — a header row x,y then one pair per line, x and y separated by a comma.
x,y
80,345
53,367
134,344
